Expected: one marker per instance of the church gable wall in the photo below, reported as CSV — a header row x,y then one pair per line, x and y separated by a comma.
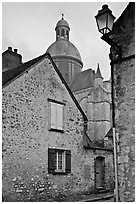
x,y
98,114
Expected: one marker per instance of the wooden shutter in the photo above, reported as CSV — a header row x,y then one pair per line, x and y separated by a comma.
x,y
59,117
68,161
51,160
53,115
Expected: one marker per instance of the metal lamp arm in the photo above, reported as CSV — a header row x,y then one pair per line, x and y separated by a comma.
x,y
107,39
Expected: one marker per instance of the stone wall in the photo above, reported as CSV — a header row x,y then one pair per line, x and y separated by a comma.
x,y
124,77
98,114
125,127
96,103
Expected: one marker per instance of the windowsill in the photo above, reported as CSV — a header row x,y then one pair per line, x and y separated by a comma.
x,y
60,172
56,130
100,188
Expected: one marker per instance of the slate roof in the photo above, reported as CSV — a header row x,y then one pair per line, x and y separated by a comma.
x,y
9,75
83,80
127,10
64,48
61,23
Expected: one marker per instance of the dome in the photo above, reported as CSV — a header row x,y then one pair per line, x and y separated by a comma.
x,y
64,48
65,55
61,23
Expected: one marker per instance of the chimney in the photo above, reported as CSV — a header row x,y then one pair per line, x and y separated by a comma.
x,y
10,48
15,51
11,59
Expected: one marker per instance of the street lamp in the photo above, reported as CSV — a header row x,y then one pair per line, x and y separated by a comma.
x,y
105,21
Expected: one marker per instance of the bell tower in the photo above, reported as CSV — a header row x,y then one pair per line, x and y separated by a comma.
x,y
62,29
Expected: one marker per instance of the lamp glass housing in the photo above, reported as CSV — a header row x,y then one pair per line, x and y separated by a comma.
x,y
105,20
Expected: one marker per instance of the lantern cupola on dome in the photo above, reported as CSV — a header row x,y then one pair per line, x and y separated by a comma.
x,y
62,29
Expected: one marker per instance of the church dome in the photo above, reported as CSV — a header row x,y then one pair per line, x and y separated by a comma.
x,y
65,55
64,48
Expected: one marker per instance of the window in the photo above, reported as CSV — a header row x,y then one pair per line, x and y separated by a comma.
x,y
67,34
59,161
62,32
57,34
56,115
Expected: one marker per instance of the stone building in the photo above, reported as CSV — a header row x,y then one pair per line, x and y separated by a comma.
x,y
123,34
46,151
46,156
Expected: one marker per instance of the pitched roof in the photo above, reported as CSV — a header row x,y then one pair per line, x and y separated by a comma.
x,y
10,75
83,80
129,10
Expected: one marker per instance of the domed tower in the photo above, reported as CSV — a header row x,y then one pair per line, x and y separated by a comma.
x,y
64,53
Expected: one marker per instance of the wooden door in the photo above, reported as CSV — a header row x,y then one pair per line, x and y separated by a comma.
x,y
99,172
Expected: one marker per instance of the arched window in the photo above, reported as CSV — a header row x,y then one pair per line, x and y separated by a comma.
x,y
62,32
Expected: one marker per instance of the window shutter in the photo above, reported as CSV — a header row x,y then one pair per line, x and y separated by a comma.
x,y
51,160
53,115
68,161
59,117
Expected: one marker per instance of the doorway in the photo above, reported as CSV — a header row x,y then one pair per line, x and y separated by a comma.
x,y
99,172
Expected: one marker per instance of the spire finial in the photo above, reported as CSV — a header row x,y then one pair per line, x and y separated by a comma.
x,y
62,16
98,73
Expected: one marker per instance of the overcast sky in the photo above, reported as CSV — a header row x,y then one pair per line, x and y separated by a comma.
x,y
30,27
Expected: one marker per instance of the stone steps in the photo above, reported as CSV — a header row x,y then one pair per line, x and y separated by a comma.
x,y
99,198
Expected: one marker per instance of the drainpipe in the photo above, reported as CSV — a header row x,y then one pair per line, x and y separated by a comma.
x,y
114,133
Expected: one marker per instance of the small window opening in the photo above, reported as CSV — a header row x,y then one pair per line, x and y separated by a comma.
x,y
67,34
58,34
62,32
